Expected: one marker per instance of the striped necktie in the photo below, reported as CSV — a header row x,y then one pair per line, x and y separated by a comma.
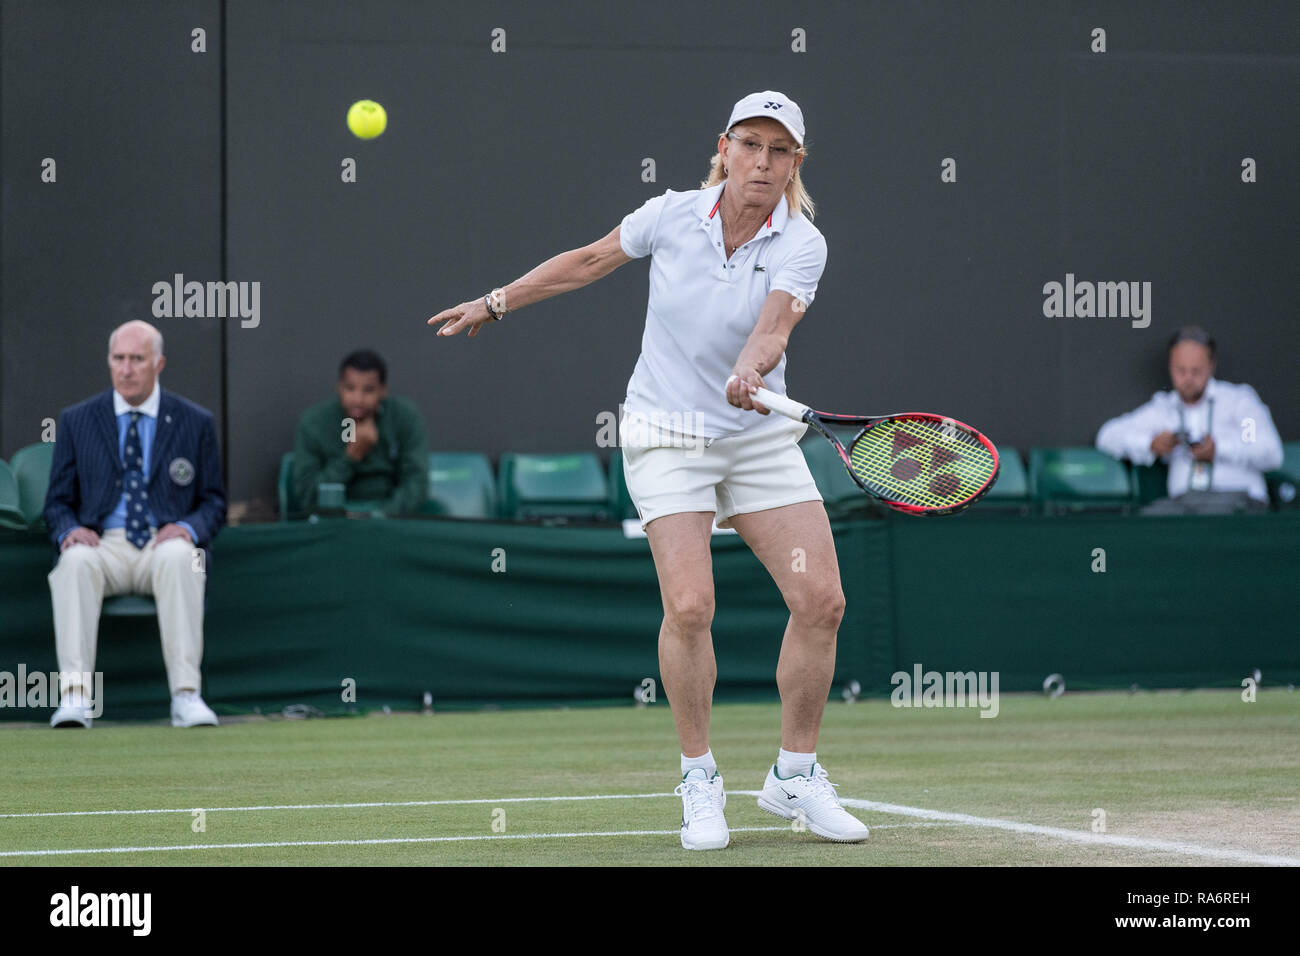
x,y
137,523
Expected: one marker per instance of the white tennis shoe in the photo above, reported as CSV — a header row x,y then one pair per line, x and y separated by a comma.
x,y
812,796
74,711
703,825
189,710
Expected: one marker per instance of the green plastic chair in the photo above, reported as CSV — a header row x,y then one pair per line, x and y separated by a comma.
x,y
840,493
1291,458
129,605
1010,492
289,505
620,499
31,467
1149,482
461,485
565,487
11,512
1283,483
284,488
1078,479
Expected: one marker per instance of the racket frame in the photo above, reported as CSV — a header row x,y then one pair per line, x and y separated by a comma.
x,y
813,418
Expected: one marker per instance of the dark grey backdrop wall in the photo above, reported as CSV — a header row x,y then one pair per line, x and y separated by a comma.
x,y
131,118
1115,166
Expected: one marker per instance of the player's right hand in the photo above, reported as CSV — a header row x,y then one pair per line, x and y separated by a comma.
x,y
468,315
79,535
743,380
1164,443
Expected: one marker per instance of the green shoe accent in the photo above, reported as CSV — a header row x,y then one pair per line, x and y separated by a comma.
x,y
811,770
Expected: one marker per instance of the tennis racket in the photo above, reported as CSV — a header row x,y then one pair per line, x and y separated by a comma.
x,y
915,462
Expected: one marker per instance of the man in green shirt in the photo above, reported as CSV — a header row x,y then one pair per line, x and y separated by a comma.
x,y
364,439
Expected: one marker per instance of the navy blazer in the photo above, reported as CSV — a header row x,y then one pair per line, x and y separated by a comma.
x,y
184,480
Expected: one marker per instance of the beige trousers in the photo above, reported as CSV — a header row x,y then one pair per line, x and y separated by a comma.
x,y
172,572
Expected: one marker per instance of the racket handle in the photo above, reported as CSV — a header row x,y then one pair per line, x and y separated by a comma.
x,y
778,403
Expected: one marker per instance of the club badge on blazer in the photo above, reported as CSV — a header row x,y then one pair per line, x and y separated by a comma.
x,y
181,471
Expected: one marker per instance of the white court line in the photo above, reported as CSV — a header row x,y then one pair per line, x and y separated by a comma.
x,y
444,839
959,819
337,806
1076,836
441,839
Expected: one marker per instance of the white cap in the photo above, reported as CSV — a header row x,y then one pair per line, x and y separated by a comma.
x,y
773,105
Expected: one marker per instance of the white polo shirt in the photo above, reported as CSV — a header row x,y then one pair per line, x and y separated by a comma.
x,y
703,307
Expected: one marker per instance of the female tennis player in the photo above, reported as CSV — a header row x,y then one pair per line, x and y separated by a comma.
x,y
733,267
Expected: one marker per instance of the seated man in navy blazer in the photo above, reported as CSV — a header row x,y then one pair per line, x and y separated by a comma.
x,y
135,500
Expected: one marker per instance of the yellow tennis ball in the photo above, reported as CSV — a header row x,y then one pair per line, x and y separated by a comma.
x,y
367,119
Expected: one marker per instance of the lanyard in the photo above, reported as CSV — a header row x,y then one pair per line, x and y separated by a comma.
x,y
1202,472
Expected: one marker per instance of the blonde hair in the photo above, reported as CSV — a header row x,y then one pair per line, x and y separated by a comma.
x,y
797,199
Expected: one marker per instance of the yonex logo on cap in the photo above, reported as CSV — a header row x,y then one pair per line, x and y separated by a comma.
x,y
773,104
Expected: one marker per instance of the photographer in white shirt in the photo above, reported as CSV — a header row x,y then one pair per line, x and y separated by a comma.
x,y
1217,438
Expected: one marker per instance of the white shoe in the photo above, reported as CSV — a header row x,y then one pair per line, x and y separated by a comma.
x,y
73,711
814,796
188,710
703,825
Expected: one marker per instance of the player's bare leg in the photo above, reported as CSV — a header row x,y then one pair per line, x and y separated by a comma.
x,y
795,545
680,545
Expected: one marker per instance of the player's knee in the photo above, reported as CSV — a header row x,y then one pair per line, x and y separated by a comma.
x,y
689,611
819,607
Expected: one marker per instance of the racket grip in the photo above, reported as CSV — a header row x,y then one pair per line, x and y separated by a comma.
x,y
778,403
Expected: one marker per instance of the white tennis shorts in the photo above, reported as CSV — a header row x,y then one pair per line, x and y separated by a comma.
x,y
728,476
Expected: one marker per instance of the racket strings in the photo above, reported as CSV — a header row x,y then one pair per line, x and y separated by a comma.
x,y
922,461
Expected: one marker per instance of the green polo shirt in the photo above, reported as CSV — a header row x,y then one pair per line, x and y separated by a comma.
x,y
394,475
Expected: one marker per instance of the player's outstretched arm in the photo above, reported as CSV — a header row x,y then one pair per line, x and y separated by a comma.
x,y
563,273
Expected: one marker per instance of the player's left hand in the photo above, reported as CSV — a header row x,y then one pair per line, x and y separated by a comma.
x,y
744,379
1203,450
169,531
470,315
